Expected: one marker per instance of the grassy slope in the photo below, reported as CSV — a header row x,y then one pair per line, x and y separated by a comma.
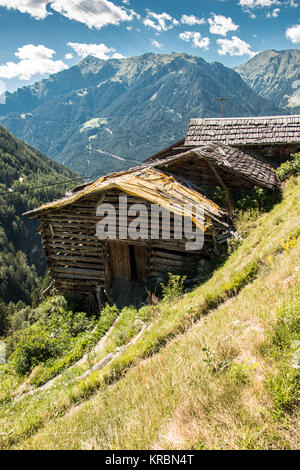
x,y
224,381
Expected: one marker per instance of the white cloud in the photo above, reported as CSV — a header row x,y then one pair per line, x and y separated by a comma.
x,y
250,5
234,47
92,13
221,25
163,21
258,3
156,44
35,8
293,33
274,13
116,55
34,60
29,51
101,51
191,20
69,56
196,39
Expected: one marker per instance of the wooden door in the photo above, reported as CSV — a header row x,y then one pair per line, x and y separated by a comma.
x,y
120,261
140,262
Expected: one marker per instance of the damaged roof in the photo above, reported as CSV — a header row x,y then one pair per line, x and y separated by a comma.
x,y
150,184
232,160
241,131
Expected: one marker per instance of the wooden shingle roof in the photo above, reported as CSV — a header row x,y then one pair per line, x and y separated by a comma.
x,y
239,162
231,159
273,130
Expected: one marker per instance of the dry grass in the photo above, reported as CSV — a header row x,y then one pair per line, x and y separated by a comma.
x,y
179,399
191,381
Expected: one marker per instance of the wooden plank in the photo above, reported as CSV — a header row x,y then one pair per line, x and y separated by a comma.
x,y
120,259
82,273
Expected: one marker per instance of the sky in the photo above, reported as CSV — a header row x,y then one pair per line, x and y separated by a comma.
x,y
41,37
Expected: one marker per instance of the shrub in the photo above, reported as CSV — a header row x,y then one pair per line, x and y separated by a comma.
x,y
78,347
36,346
21,319
173,289
55,332
258,198
289,168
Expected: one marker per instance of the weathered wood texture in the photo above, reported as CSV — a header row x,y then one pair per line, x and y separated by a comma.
x,y
245,131
81,263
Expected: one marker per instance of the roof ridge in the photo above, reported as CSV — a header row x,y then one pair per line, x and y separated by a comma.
x,y
282,116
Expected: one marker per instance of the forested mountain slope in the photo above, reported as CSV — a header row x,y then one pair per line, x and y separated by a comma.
x,y
21,258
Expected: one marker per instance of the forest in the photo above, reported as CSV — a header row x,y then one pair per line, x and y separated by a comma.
x,y
22,264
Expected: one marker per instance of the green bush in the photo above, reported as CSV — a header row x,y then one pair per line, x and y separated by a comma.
x,y
78,347
173,289
54,334
257,198
289,168
37,345
21,319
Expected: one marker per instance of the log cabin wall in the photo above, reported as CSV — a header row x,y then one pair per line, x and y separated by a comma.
x,y
75,255
80,263
273,154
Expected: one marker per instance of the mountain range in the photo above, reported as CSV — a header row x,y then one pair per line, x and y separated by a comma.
x,y
101,116
275,75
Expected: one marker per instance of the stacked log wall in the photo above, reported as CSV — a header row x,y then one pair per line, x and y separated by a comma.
x,y
79,262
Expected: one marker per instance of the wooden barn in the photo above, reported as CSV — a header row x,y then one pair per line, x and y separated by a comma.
x,y
271,138
118,268
274,138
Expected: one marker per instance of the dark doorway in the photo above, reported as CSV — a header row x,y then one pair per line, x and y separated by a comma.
x,y
128,263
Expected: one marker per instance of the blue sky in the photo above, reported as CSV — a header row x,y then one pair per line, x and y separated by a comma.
x,y
40,37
